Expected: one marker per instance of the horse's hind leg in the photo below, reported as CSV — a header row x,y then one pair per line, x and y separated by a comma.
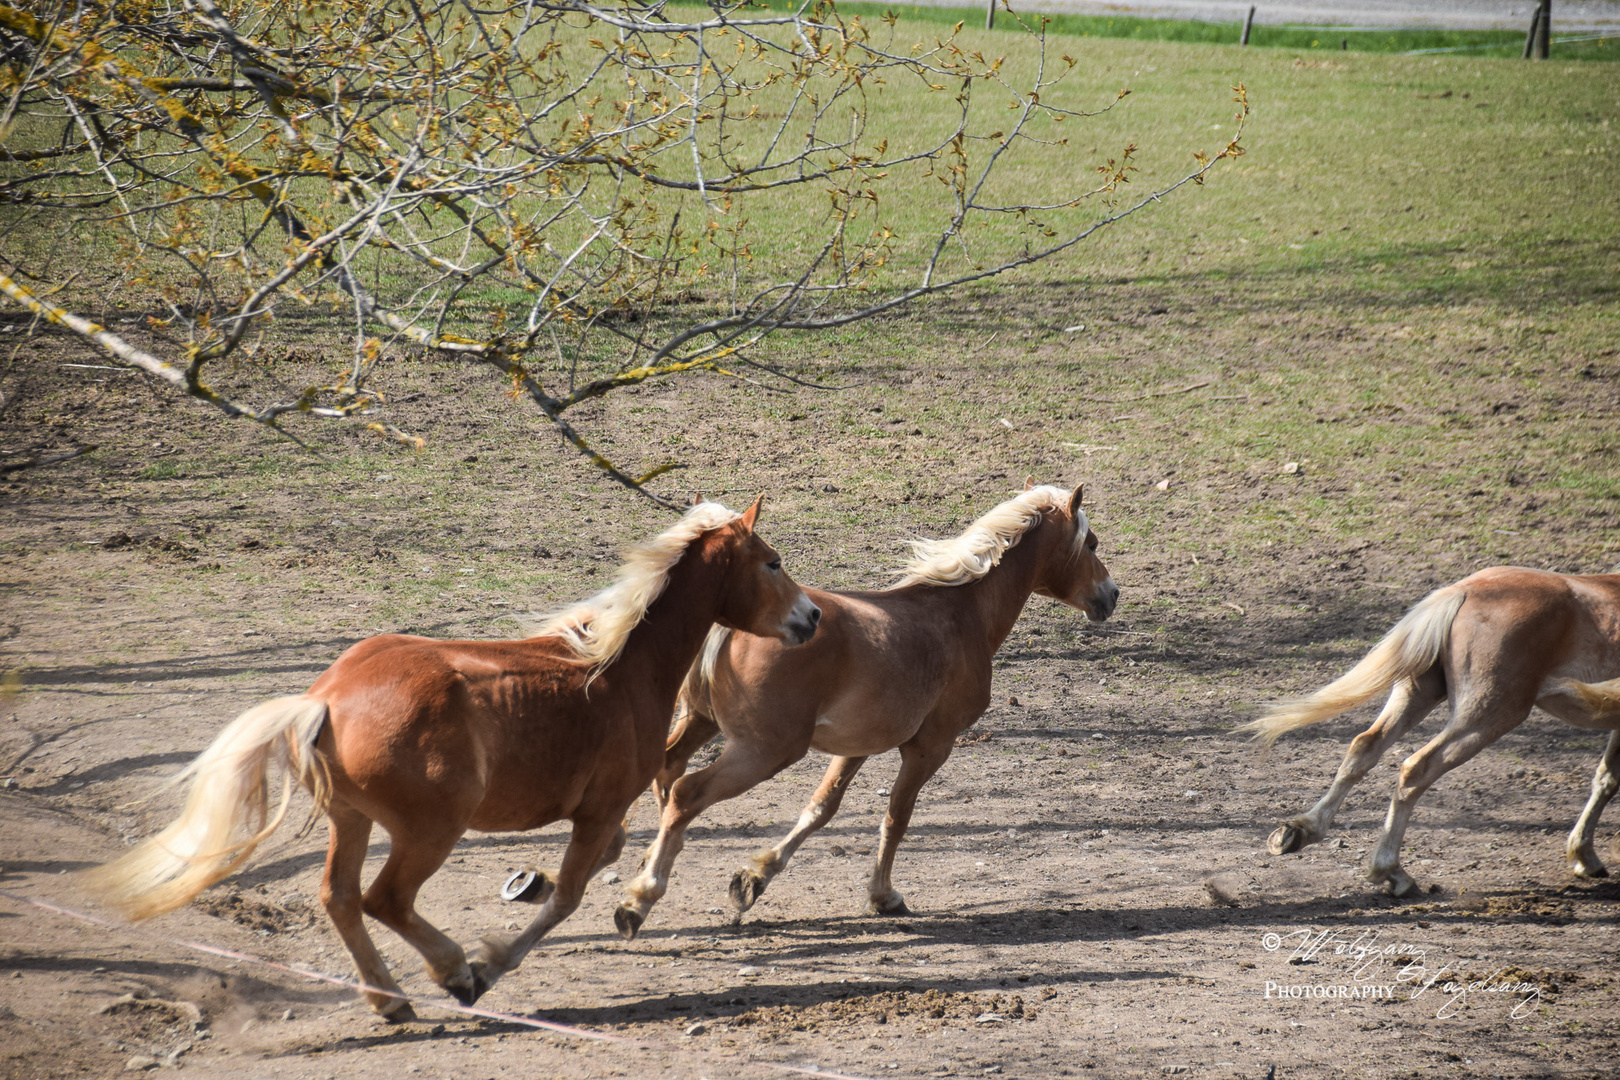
x,y
546,880
749,883
1583,856
1409,702
340,895
413,857
1477,720
691,733
918,762
587,845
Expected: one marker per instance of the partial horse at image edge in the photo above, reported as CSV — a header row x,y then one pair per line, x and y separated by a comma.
x,y
429,738
1493,645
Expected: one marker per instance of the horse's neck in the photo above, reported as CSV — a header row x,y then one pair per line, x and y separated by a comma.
x,y
1000,595
666,642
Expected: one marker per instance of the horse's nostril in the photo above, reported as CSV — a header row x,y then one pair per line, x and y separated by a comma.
x,y
815,616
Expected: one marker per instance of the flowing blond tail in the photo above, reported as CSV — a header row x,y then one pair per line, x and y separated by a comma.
x,y
229,792
1602,698
1407,651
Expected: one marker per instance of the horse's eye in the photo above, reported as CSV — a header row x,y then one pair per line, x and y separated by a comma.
x,y
1091,544
774,565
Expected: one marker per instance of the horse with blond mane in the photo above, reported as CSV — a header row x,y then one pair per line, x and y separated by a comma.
x,y
905,667
1492,646
431,738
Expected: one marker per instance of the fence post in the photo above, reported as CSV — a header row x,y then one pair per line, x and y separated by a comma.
x,y
1544,31
1248,24
989,14
1530,37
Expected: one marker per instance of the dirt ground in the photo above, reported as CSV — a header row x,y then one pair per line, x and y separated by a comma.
x,y
1088,873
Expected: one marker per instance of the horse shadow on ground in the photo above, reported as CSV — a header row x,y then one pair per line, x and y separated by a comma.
x,y
869,941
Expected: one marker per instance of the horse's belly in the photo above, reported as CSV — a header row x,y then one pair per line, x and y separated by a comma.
x,y
858,736
514,817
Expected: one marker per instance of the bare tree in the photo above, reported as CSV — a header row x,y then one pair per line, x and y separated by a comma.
x,y
566,192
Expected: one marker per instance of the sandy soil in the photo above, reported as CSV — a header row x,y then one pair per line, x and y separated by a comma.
x,y
1091,892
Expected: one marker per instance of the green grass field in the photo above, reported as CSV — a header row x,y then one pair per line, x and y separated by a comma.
x,y
1424,175
1478,43
1416,256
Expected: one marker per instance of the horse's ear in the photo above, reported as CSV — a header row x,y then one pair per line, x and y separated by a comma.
x,y
697,497
751,514
1029,483
1074,499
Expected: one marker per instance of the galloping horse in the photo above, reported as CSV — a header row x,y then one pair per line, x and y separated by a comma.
x,y
906,667
430,738
1492,645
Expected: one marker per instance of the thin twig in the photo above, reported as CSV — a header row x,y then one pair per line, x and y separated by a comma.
x,y
1156,393
41,462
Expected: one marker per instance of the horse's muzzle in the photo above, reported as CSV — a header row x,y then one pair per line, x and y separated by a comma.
x,y
801,622
1104,602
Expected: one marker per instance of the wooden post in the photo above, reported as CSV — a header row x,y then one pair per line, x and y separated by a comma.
x,y
1248,24
1530,37
1544,31
989,14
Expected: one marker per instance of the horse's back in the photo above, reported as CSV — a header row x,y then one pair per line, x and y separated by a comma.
x,y
876,668
1548,625
453,724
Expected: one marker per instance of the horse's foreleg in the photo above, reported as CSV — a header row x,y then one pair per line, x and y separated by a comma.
x,y
734,772
691,733
749,883
588,843
340,895
1473,727
414,854
918,763
1583,856
1409,702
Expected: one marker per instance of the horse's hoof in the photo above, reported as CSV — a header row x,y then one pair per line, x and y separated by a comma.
x,y
628,920
400,1014
529,886
1400,883
1588,868
893,904
481,982
1287,839
746,887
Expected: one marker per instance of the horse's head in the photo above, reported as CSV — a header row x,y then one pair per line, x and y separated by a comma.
x,y
1072,572
759,596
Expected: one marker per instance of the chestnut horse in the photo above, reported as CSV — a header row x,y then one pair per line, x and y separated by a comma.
x,y
1492,646
906,667
431,738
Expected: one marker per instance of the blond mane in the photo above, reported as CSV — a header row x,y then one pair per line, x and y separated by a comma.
x,y
597,628
973,554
